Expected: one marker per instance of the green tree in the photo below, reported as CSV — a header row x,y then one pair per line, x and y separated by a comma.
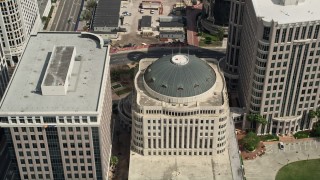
x,y
86,15
91,4
250,141
312,114
44,18
114,161
316,130
257,118
220,34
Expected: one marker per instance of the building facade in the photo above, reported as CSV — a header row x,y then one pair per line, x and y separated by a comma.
x,y
215,15
18,19
52,135
233,48
279,69
180,107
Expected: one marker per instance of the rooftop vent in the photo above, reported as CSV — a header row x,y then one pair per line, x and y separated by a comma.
x,y
58,72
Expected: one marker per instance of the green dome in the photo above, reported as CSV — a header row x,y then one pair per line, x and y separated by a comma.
x,y
180,75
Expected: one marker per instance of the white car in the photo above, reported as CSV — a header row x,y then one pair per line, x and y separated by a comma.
x,y
151,11
281,145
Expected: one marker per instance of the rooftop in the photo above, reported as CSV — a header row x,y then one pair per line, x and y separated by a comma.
x,y
84,85
180,75
58,67
304,10
145,21
172,32
146,99
107,13
179,167
171,24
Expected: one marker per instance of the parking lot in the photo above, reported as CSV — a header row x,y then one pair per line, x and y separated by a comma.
x,y
267,166
131,22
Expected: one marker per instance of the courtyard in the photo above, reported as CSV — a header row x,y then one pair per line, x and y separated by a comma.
x,y
267,166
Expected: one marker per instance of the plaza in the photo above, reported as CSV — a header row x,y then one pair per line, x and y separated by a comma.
x,y
267,166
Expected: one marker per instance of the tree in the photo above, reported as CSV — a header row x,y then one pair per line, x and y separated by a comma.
x,y
86,15
250,141
91,4
220,34
44,18
114,161
312,114
316,130
257,118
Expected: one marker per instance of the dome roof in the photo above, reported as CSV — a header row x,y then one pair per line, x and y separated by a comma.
x,y
180,75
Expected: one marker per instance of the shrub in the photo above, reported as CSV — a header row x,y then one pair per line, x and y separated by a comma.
x,y
302,134
250,141
269,137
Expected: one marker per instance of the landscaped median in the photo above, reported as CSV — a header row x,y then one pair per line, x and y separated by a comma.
x,y
300,170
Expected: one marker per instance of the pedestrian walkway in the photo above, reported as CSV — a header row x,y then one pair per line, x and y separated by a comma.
x,y
55,7
192,13
267,166
234,154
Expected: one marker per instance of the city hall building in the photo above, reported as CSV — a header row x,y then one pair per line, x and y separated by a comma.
x,y
180,107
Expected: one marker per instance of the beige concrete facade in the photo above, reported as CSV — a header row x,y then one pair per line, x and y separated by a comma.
x,y
279,63
164,125
60,136
18,19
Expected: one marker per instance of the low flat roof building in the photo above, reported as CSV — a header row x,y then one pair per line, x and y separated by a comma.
x,y
58,106
107,17
145,21
171,26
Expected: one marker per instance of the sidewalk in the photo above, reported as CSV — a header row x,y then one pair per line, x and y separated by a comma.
x,y
53,15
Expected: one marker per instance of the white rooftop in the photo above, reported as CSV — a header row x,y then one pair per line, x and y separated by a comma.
x,y
287,11
24,92
179,167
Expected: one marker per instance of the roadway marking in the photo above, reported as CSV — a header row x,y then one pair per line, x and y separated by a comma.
x,y
64,2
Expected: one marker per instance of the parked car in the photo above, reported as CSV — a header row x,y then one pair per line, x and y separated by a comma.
x,y
281,145
141,11
125,12
151,11
128,14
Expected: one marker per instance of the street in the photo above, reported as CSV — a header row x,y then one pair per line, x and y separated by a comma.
x,y
66,16
124,58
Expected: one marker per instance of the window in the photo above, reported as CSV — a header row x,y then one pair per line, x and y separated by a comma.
x,y
266,33
93,119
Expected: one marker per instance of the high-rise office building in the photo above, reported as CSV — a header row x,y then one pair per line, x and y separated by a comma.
x,y
215,15
18,18
279,69
6,168
56,112
233,49
180,107
4,76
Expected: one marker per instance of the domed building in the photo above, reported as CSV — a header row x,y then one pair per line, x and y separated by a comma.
x,y
179,107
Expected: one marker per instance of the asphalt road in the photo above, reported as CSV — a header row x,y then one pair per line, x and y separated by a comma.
x,y
66,15
124,58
